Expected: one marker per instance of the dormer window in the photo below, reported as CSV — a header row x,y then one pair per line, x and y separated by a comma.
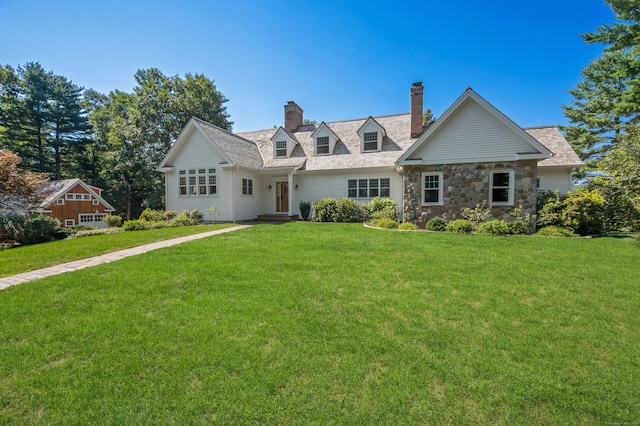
x,y
281,148
324,140
322,145
283,143
371,136
370,141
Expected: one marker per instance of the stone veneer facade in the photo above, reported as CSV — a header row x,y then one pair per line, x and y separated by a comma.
x,y
466,185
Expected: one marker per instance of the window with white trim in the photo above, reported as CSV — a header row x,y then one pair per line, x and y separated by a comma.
x,y
501,191
322,145
69,196
370,142
432,189
368,187
78,196
281,148
86,196
201,181
95,202
247,186
60,201
90,218
69,222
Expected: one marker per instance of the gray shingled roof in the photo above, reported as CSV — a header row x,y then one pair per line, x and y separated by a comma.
x,y
346,154
563,154
255,149
240,151
56,188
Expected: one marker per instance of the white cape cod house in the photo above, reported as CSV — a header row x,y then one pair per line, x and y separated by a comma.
x,y
472,153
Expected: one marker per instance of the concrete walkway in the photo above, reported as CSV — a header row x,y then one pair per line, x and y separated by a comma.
x,y
106,258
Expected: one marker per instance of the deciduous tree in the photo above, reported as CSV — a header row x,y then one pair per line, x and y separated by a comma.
x,y
17,187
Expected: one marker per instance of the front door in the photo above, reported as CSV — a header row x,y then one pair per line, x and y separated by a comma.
x,y
282,196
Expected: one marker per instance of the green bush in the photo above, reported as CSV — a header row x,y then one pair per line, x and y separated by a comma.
x,y
436,224
96,231
621,211
385,223
324,210
136,225
555,231
495,227
343,210
518,227
305,209
460,226
150,215
379,208
581,211
28,229
349,210
113,221
196,217
169,215
407,226
480,213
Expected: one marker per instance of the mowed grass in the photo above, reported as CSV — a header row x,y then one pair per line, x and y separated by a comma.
x,y
29,258
331,324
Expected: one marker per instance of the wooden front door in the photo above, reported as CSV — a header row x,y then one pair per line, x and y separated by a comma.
x,y
282,196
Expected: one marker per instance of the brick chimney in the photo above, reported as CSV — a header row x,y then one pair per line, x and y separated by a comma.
x,y
417,92
292,116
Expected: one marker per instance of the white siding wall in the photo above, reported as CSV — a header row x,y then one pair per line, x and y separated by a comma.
x,y
197,152
248,207
469,134
314,186
555,179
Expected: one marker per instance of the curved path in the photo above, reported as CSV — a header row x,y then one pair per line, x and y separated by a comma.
x,y
106,258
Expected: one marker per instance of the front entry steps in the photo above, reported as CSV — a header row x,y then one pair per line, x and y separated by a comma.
x,y
277,217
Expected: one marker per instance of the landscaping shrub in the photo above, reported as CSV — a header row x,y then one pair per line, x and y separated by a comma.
x,y
555,231
343,210
113,221
349,210
407,226
150,215
379,208
305,209
28,229
136,225
460,226
480,213
196,217
324,210
96,231
495,227
621,211
169,215
385,223
581,211
518,227
436,224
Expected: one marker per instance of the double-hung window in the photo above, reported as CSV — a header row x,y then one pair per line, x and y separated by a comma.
x,y
322,145
281,148
200,181
368,188
370,141
247,186
501,188
432,189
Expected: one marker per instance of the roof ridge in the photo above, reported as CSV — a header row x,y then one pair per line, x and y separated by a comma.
x,y
328,123
549,126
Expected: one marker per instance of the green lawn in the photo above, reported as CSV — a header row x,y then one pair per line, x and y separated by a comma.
x,y
309,323
28,258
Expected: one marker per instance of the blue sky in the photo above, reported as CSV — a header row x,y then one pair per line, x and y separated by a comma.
x,y
337,59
